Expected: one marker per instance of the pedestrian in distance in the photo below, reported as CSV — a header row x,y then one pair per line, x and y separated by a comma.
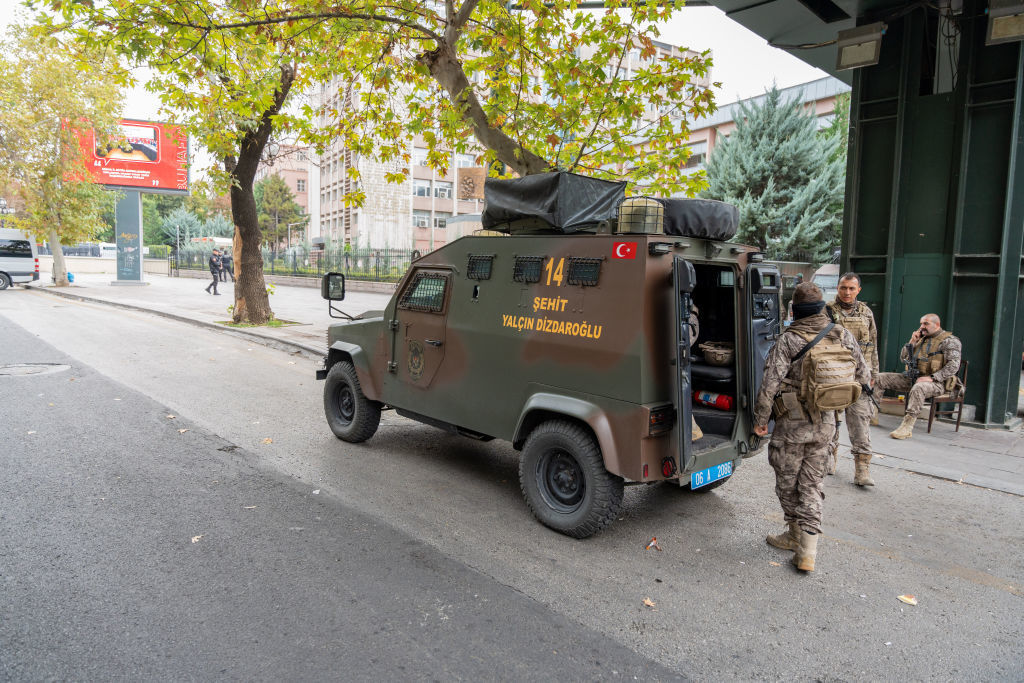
x,y
811,350
227,267
215,266
846,311
932,357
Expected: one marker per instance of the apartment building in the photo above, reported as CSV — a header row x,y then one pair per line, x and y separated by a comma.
x,y
291,163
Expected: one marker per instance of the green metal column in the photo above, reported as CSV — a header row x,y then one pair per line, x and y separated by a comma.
x,y
935,200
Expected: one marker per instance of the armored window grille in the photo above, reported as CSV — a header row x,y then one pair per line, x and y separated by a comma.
x,y
584,271
527,268
479,266
425,293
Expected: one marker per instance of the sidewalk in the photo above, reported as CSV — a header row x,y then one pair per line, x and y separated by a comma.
x,y
988,458
183,298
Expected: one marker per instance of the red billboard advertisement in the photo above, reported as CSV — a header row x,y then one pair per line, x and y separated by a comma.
x,y
146,156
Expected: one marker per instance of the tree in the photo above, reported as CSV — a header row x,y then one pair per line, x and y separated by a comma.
x,y
218,226
276,207
783,178
542,87
179,227
50,99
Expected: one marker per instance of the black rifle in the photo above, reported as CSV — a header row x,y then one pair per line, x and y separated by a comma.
x,y
911,373
866,389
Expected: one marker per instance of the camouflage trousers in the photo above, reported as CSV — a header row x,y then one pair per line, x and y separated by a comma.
x,y
858,424
917,392
798,459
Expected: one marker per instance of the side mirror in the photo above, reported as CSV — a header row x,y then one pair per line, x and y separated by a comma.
x,y
332,286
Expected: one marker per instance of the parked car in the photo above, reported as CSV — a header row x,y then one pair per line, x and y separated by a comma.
x,y
19,260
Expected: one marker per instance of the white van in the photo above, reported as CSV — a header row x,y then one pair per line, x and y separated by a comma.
x,y
19,260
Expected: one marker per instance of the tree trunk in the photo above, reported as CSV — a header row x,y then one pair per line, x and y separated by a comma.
x,y
59,269
252,303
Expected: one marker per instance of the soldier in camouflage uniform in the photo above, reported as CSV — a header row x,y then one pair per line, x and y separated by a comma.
x,y
933,355
857,318
799,446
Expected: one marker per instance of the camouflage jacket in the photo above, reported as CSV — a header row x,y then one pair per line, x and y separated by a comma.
x,y
780,367
861,322
950,348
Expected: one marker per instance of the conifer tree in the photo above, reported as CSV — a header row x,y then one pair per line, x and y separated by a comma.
x,y
785,179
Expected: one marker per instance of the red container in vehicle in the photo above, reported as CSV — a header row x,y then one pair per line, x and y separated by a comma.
x,y
720,401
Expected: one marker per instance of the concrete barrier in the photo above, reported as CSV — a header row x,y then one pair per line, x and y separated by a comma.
x,y
101,264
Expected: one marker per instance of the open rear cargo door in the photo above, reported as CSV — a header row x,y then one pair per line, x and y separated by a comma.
x,y
684,278
764,303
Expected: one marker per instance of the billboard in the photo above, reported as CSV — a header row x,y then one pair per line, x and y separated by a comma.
x,y
146,156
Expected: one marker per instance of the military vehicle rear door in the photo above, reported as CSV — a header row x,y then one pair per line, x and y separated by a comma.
x,y
764,302
419,326
683,280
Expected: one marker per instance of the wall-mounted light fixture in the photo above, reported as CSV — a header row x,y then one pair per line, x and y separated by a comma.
x,y
861,46
1005,21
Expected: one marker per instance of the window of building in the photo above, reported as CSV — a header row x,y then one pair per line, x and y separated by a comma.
x,y
419,156
698,155
421,188
465,160
420,219
300,185
443,189
441,219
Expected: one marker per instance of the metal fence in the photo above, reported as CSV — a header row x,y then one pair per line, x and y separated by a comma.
x,y
380,265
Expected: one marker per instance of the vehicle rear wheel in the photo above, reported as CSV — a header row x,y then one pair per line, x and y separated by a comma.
x,y
5,281
351,416
564,482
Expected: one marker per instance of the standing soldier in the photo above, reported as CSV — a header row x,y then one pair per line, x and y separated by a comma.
x,y
932,357
855,316
799,447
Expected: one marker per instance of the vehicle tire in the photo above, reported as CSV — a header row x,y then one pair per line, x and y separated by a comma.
x,y
564,482
351,416
5,281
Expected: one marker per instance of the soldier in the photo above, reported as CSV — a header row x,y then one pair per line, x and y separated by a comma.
x,y
855,316
799,446
933,358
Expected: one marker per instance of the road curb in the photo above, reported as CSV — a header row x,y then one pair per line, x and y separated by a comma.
x,y
279,344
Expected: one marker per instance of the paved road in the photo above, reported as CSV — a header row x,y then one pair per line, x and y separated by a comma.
x,y
726,605
134,546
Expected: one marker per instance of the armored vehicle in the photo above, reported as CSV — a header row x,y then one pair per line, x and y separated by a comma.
x,y
566,331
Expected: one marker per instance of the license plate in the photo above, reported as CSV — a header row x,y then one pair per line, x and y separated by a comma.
x,y
711,474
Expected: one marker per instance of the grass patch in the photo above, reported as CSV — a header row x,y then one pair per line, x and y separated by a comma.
x,y
275,322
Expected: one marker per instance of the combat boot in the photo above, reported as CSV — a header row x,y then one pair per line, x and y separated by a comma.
x,y
789,539
803,559
905,429
862,473
696,432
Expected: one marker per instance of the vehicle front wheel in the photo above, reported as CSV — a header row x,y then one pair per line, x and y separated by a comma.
x,y
564,482
5,281
351,416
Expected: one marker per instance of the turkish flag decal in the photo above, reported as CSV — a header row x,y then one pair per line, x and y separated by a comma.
x,y
624,250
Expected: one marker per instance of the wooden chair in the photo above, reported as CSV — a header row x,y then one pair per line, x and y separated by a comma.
x,y
946,398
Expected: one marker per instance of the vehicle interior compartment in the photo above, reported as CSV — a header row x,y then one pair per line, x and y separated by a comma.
x,y
715,298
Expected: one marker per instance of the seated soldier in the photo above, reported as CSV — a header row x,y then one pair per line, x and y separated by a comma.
x,y
933,358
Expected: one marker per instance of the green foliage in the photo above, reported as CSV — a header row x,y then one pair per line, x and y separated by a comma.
x,y
218,226
783,177
159,250
276,208
49,96
180,226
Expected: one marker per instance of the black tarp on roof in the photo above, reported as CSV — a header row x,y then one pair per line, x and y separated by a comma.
x,y
566,201
705,218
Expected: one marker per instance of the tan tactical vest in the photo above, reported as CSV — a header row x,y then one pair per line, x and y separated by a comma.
x,y
929,359
858,322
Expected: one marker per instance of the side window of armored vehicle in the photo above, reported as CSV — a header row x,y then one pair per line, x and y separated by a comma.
x,y
584,271
527,269
425,293
479,266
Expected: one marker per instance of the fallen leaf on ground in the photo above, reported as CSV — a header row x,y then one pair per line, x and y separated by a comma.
x,y
268,440
649,602
775,564
653,544
182,431
32,432
49,404
249,507
170,417
316,492
117,399
932,487
195,539
909,599
291,362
